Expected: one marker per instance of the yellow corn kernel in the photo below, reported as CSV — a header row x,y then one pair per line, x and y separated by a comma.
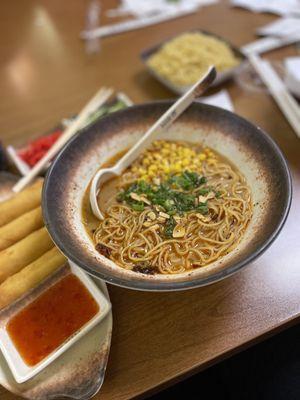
x,y
146,161
202,157
176,168
153,167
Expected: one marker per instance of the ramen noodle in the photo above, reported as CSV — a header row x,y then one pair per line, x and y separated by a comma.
x,y
176,208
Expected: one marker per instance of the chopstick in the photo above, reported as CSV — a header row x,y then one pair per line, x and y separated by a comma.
x,y
98,100
269,43
115,29
283,98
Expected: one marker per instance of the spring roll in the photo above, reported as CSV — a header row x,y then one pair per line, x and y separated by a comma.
x,y
29,277
22,253
20,227
21,203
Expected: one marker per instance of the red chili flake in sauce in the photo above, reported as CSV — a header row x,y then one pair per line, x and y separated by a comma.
x,y
144,268
102,249
38,148
46,323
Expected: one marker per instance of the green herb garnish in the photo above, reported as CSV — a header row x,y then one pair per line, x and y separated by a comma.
x,y
169,227
203,192
187,180
174,196
137,206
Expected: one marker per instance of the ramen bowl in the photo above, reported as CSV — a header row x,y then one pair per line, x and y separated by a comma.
x,y
251,150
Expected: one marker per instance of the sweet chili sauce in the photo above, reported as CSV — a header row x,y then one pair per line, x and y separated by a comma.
x,y
46,323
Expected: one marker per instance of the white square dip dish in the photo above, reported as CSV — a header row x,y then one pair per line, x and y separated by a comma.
x,y
23,372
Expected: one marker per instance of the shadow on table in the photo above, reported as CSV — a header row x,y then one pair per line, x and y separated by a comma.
x,y
268,371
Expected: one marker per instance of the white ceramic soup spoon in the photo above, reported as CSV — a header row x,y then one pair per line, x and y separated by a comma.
x,y
164,122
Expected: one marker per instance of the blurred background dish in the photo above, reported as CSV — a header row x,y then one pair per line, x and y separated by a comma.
x,y
26,157
179,61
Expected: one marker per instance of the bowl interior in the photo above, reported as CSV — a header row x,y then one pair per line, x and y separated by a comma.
x,y
246,146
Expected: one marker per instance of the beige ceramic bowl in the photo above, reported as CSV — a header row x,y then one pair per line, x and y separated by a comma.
x,y
252,151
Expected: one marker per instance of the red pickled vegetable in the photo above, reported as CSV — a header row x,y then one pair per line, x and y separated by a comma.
x,y
38,148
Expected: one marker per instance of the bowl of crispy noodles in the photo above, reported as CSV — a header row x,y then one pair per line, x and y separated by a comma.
x,y
179,61
202,202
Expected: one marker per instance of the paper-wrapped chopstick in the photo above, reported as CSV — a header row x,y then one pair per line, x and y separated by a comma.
x,y
269,43
285,101
126,26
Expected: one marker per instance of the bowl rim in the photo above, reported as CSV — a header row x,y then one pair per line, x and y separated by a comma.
x,y
151,285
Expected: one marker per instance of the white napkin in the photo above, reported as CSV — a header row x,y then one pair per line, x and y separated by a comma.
x,y
220,99
284,26
146,8
292,74
280,7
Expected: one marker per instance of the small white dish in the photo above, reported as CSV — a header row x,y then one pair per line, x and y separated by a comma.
x,y
20,370
23,168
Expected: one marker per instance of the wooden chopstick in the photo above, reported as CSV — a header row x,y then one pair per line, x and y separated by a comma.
x,y
283,98
98,100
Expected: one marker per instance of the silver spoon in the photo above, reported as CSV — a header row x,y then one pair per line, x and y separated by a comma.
x,y
164,122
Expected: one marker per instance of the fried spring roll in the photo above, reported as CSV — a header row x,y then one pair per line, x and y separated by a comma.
x,y
22,253
30,276
21,203
20,227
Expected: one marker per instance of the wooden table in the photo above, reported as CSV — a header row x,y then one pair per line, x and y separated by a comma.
x,y
158,338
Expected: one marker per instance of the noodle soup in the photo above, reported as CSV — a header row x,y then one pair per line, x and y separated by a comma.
x,y
178,207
